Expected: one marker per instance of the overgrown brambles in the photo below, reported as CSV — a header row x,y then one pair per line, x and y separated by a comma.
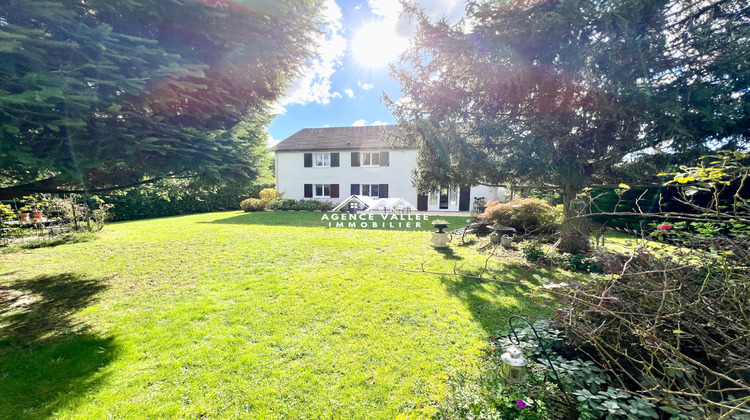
x,y
673,326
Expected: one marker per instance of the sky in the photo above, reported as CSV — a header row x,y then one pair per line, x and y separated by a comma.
x,y
343,86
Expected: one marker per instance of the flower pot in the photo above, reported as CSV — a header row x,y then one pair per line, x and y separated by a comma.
x,y
440,227
24,217
37,215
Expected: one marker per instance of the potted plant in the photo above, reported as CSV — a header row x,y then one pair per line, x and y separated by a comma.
x,y
440,224
479,204
37,214
24,213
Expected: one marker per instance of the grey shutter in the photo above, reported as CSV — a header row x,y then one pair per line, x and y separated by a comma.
x,y
334,160
355,189
422,202
355,159
383,190
464,199
334,190
308,160
384,159
308,190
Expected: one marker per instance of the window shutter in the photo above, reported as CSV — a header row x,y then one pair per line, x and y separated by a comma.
x,y
422,202
383,190
464,199
384,159
355,189
334,160
355,159
308,161
308,190
334,190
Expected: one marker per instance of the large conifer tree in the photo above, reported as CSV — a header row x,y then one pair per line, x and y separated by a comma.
x,y
101,94
558,92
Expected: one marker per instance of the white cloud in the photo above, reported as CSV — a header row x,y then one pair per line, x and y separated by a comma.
x,y
314,85
379,123
270,141
365,86
359,123
277,109
349,93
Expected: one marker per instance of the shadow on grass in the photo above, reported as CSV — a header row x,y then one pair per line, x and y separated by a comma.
x,y
48,359
448,254
492,303
275,218
375,221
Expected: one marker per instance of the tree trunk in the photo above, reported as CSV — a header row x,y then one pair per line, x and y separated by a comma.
x,y
575,235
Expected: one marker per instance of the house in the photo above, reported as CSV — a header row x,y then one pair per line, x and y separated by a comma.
x,y
333,163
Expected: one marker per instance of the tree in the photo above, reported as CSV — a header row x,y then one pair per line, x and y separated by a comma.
x,y
96,96
554,93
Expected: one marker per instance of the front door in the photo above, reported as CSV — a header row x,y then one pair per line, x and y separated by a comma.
x,y
446,199
443,199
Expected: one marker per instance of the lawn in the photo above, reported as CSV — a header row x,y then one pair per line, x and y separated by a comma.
x,y
242,315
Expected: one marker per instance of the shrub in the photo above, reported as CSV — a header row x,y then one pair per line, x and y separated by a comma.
x,y
292,204
672,324
524,214
164,201
533,253
268,194
590,390
253,204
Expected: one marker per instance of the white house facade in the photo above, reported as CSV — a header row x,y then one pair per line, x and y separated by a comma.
x,y
333,163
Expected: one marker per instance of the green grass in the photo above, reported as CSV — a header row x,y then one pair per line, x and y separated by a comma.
x,y
232,315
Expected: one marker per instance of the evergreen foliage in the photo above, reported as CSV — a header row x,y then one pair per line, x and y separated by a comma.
x,y
97,96
561,93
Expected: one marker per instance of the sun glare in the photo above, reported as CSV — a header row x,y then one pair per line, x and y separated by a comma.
x,y
376,45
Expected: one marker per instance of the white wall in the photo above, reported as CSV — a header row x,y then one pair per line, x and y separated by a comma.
x,y
291,175
489,193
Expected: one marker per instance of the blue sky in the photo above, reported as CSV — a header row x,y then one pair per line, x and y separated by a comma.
x,y
344,84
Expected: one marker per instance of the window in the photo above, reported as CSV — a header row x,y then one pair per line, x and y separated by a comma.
x,y
371,159
322,160
322,191
454,197
371,190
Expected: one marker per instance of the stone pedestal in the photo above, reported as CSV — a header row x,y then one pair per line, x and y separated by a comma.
x,y
439,240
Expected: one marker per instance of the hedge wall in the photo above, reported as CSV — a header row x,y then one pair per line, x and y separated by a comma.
x,y
140,204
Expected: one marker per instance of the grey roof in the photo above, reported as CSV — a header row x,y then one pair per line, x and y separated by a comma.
x,y
340,138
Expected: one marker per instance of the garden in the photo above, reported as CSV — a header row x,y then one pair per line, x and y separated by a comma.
x,y
614,284
278,313
235,314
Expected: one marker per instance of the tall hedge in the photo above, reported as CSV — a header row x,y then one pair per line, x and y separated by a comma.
x,y
140,204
